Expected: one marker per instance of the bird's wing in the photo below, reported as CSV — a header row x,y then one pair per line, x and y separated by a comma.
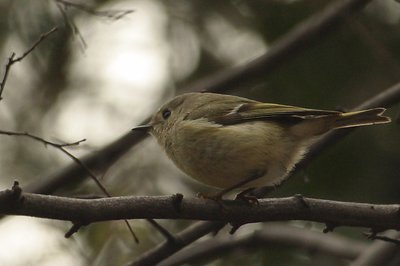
x,y
244,112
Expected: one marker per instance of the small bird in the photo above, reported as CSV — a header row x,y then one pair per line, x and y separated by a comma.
x,y
231,142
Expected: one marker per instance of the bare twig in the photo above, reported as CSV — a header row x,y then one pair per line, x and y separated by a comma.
x,y
45,142
64,5
98,161
111,14
74,228
168,236
61,147
12,60
383,238
72,26
380,252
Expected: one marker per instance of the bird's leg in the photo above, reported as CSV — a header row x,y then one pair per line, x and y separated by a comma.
x,y
254,176
244,196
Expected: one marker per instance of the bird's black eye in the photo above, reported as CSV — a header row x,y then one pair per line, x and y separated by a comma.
x,y
166,113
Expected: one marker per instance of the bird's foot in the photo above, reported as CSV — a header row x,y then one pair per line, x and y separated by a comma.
x,y
249,199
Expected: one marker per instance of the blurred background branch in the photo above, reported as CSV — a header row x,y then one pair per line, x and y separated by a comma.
x,y
300,38
380,252
273,234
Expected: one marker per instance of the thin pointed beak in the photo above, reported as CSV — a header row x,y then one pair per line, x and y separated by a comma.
x,y
142,127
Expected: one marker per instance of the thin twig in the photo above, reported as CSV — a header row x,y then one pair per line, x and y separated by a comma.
x,y
162,230
12,60
72,26
45,142
98,161
61,147
63,6
379,252
383,238
111,14
41,38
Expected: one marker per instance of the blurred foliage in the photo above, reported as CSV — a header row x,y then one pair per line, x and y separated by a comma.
x,y
353,62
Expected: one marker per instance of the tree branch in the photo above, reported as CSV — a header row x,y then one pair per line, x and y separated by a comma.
x,y
376,216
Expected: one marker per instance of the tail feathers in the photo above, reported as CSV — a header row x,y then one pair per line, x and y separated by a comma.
x,y
361,118
314,126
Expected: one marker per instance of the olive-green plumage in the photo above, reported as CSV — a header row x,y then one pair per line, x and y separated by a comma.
x,y
221,140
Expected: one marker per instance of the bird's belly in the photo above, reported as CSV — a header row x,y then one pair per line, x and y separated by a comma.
x,y
231,154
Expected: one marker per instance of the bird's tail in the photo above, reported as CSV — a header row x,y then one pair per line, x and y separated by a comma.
x,y
314,126
361,118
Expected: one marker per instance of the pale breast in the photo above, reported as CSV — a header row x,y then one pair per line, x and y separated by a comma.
x,y
222,156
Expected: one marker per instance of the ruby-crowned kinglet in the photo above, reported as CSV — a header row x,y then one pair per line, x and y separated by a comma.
x,y
221,140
